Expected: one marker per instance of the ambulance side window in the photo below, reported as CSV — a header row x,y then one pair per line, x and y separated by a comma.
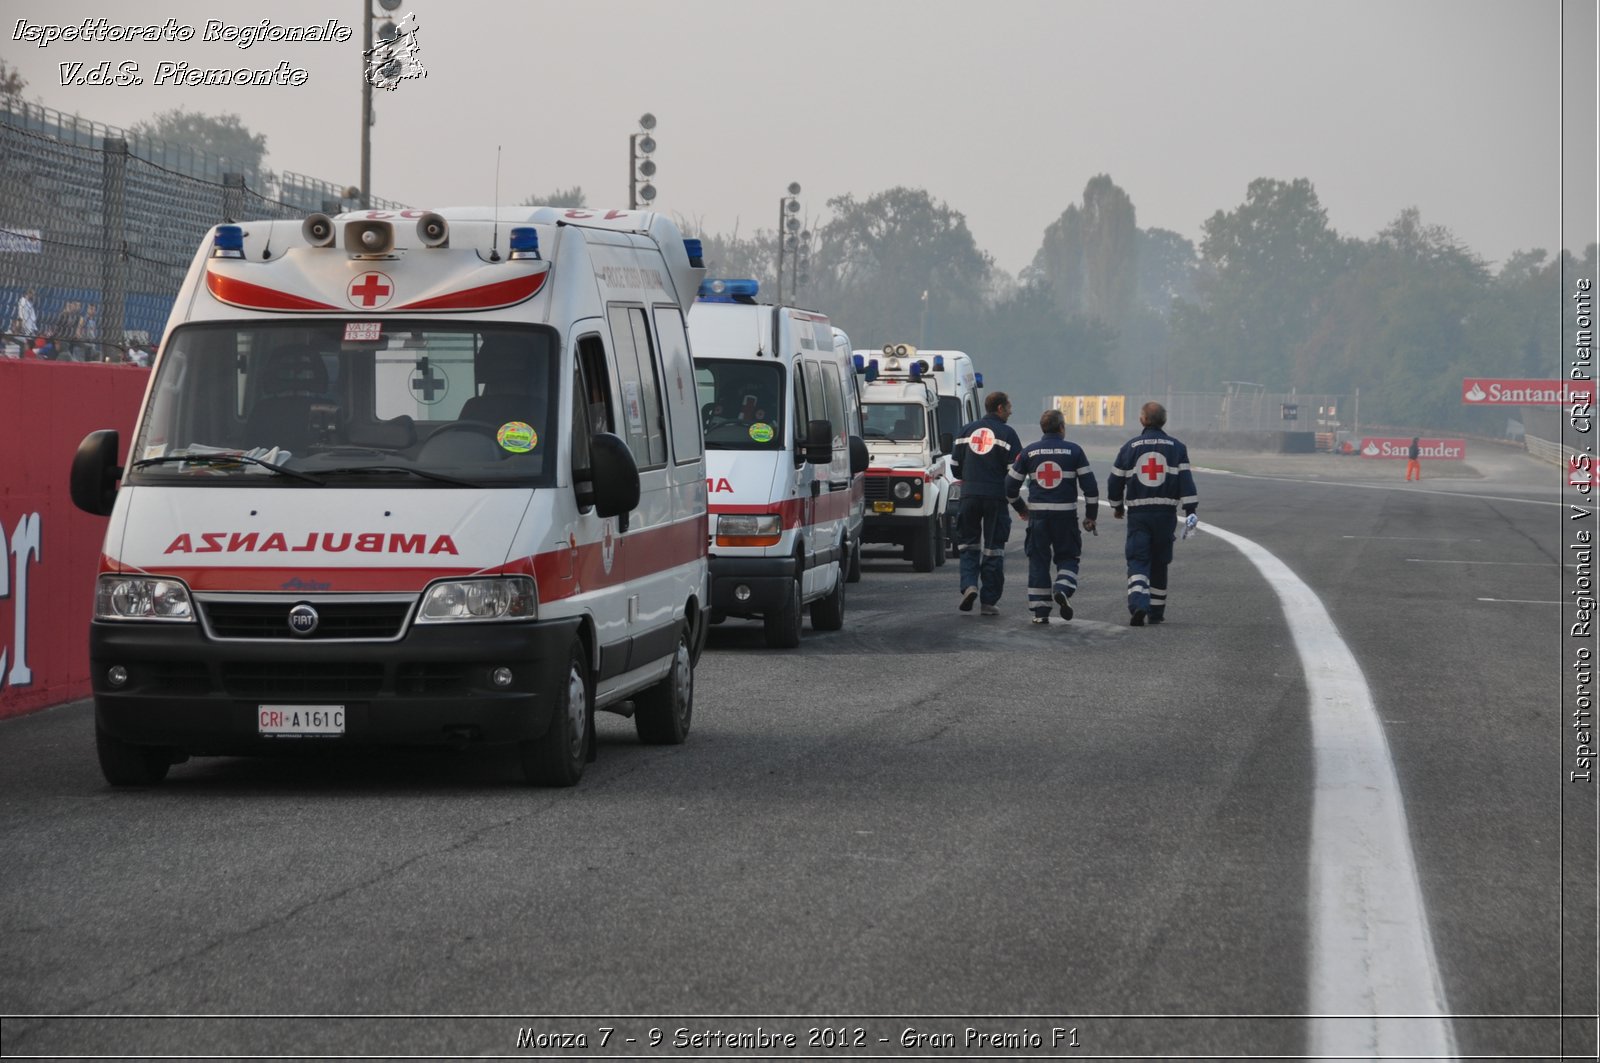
x,y
815,403
596,388
682,398
641,396
802,410
835,395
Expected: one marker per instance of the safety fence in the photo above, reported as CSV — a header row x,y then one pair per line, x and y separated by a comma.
x,y
93,216
49,549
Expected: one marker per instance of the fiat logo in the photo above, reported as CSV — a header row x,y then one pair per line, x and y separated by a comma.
x,y
302,619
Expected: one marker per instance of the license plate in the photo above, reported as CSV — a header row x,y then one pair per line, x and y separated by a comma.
x,y
298,721
883,507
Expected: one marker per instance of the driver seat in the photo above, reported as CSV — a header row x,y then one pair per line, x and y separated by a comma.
x,y
504,368
293,380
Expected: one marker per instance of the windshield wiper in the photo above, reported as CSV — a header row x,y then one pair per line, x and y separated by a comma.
x,y
226,459
349,470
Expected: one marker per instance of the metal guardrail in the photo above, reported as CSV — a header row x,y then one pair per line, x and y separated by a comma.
x,y
1545,450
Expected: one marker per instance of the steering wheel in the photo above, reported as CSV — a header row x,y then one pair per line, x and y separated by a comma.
x,y
441,435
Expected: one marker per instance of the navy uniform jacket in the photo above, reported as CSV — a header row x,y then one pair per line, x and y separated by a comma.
x,y
1059,471
1152,469
983,475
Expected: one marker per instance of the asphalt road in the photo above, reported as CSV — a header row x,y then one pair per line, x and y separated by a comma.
x,y
926,824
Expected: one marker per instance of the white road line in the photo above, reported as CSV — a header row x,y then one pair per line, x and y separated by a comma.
x,y
1585,506
1519,564
1520,601
1371,956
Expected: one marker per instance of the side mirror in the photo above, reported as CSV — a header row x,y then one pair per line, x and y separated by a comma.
x,y
818,449
947,443
616,476
860,458
95,473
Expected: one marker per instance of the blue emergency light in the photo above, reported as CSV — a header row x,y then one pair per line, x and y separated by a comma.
x,y
872,370
695,250
228,242
938,363
916,369
524,242
718,290
859,362
979,377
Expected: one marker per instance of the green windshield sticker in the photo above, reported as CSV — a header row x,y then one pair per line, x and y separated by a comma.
x,y
517,437
761,433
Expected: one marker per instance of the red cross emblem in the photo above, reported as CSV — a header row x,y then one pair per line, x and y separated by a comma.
x,y
1048,475
982,441
1153,470
370,290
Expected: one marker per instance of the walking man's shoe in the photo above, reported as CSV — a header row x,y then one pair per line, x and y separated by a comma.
x,y
988,610
968,596
1040,618
1138,618
1061,600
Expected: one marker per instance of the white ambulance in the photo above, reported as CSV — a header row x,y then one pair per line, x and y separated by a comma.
x,y
785,461
907,482
407,478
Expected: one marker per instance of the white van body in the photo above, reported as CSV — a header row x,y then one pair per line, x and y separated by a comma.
x,y
907,481
408,478
781,537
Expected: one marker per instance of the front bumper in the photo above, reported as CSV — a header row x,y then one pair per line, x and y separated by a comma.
x,y
770,581
432,688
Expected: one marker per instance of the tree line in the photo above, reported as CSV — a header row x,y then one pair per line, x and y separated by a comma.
x,y
1271,294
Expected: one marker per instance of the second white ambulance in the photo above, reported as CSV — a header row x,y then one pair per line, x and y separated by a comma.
x,y
784,459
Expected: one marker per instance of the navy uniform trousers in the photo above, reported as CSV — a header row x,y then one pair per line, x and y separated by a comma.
x,y
1151,530
1052,536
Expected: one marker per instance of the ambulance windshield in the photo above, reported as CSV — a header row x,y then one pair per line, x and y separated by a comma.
x,y
893,420
428,404
741,404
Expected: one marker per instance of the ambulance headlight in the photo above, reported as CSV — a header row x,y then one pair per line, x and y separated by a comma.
x,y
902,489
749,529
506,598
142,598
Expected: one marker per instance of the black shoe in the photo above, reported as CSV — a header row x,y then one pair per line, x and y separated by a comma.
x,y
968,596
1158,618
1138,618
1066,610
1040,618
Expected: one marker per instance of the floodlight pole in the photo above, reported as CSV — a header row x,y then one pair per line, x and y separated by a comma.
x,y
782,202
366,105
633,177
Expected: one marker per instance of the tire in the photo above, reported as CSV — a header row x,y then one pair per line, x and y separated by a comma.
x,y
938,542
853,575
124,764
557,757
922,547
783,625
663,713
827,614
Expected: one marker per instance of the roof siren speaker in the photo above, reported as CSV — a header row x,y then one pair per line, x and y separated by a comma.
x,y
365,237
318,230
433,231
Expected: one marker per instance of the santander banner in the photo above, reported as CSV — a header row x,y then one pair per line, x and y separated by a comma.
x,y
1400,447
1481,391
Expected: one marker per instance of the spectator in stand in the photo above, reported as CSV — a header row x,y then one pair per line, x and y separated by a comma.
x,y
89,335
65,331
11,343
28,315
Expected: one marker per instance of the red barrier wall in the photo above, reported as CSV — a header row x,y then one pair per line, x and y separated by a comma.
x,y
49,549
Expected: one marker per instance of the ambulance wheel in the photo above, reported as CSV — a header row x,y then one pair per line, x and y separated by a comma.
x,y
922,548
783,625
124,764
662,714
827,614
558,756
854,573
938,543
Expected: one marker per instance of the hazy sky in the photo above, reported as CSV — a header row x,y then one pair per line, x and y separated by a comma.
x,y
1002,109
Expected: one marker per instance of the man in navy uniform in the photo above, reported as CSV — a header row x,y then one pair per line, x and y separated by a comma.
x,y
1152,478
1056,471
982,456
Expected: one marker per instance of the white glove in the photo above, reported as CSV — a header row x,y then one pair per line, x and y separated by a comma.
x,y
1190,523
